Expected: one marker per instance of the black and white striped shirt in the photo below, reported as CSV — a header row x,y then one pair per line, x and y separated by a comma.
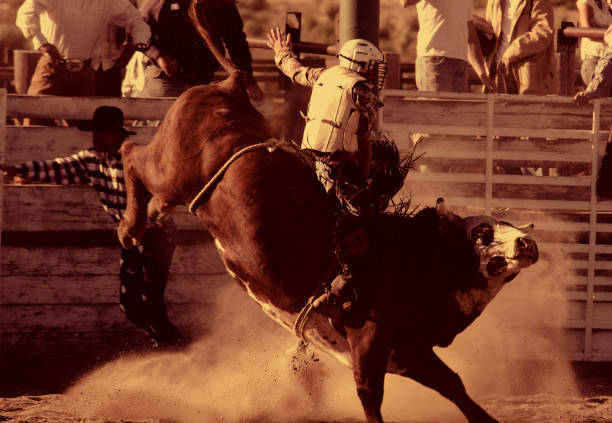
x,y
103,171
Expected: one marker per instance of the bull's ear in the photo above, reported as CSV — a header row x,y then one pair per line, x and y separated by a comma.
x,y
528,228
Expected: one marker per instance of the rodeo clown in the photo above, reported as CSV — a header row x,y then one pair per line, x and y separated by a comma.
x,y
143,269
339,132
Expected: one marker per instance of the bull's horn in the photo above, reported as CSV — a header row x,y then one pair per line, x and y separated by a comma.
x,y
526,228
441,207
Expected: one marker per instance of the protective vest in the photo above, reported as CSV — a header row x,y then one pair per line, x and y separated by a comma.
x,y
333,118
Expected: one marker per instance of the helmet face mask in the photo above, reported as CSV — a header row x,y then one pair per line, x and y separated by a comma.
x,y
365,58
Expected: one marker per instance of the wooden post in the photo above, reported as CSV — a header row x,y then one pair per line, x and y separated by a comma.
x,y
566,49
3,112
24,62
359,19
593,206
393,79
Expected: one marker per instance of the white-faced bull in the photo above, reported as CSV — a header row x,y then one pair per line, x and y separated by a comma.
x,y
273,225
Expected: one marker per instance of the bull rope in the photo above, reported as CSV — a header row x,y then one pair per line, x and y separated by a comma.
x,y
302,319
198,200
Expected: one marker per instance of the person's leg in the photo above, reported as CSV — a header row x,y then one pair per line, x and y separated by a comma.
x,y
440,74
45,80
144,274
458,68
131,290
108,82
159,245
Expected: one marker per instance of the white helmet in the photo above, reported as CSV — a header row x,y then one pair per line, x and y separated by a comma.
x,y
365,58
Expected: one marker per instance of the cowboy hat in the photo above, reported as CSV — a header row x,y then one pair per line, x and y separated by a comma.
x,y
106,117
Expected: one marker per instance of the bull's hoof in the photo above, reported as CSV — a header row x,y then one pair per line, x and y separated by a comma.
x,y
125,238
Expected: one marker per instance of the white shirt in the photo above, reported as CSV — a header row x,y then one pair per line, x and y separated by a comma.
x,y
602,18
443,28
508,12
78,27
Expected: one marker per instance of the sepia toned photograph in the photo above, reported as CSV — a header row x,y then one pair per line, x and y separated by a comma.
x,y
335,211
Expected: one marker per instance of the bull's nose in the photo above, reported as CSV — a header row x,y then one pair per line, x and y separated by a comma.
x,y
526,246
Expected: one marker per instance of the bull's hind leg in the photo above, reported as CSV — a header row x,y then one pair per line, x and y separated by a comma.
x,y
134,221
425,367
370,351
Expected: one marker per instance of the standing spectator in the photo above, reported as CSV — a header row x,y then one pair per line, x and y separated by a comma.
x,y
114,54
69,33
524,59
446,42
593,14
181,58
144,268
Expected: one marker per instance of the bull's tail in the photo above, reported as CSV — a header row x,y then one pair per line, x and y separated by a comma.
x,y
199,18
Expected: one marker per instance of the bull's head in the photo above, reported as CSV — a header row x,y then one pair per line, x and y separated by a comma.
x,y
503,248
502,251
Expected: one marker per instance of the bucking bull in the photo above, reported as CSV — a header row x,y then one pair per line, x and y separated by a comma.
x,y
273,223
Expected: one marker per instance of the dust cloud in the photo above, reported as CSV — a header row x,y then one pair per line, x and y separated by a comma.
x,y
245,369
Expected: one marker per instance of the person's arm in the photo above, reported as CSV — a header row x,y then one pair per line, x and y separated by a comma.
x,y
288,63
149,11
585,16
367,101
476,58
62,171
125,15
602,80
28,20
539,37
136,30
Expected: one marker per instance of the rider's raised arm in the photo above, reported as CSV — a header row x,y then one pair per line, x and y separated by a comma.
x,y
288,63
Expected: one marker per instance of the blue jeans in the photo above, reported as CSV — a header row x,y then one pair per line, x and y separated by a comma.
x,y
439,73
144,272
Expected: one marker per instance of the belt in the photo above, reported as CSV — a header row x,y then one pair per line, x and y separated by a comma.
x,y
74,65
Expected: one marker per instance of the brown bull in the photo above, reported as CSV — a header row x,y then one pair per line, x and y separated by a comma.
x,y
431,276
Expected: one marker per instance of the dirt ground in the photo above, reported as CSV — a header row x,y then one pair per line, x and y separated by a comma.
x,y
93,401
245,371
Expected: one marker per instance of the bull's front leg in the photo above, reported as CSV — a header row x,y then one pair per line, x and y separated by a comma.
x,y
134,221
425,367
370,351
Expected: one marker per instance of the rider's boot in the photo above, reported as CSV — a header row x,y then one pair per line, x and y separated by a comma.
x,y
340,296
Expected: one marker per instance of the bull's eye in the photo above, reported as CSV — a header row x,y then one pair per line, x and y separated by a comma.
x,y
484,232
497,265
